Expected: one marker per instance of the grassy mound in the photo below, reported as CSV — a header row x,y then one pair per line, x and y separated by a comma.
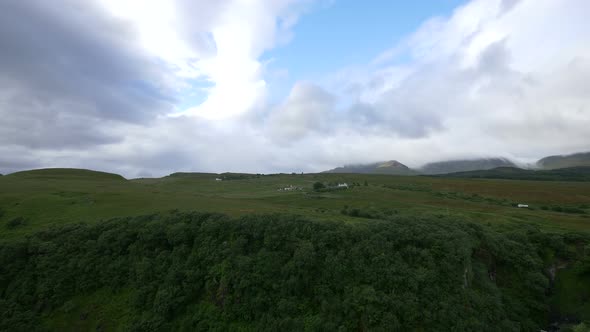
x,y
65,173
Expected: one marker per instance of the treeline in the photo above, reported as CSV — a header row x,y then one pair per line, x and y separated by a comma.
x,y
197,272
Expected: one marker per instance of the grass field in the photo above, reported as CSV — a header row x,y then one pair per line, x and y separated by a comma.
x,y
34,201
57,196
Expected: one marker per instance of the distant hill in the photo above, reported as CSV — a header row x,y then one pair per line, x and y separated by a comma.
x,y
453,166
190,175
564,161
61,173
224,176
512,173
392,167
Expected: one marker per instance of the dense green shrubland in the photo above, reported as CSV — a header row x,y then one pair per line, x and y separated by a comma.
x,y
194,271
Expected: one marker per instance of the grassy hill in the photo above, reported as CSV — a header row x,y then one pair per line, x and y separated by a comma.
x,y
453,166
368,257
64,174
513,173
565,161
48,197
391,167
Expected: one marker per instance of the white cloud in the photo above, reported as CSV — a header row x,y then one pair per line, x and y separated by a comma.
x,y
496,78
216,41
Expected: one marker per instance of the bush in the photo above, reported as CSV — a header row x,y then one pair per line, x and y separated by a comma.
x,y
16,222
556,209
567,209
573,210
582,327
318,186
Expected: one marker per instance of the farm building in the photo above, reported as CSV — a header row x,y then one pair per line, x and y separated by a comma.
x,y
289,188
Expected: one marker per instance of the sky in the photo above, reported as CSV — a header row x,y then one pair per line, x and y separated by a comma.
x,y
147,88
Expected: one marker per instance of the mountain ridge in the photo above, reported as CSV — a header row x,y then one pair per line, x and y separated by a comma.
x,y
464,165
392,167
564,161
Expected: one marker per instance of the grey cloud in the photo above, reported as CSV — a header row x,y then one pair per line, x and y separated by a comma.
x,y
16,159
306,110
495,58
72,51
508,5
421,103
68,70
40,126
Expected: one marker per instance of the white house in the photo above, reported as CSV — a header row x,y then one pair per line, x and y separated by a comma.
x,y
343,185
218,179
523,205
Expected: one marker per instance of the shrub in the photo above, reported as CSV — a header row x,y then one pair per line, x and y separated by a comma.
x,y
573,210
318,186
16,222
557,208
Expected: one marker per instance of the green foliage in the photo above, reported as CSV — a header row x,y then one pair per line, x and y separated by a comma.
x,y
564,209
370,213
16,222
318,186
195,271
582,327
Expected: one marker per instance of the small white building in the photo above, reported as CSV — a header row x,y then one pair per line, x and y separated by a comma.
x,y
523,205
218,179
343,185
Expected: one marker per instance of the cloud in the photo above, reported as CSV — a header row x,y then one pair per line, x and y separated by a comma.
x,y
306,110
76,53
241,32
493,79
70,70
94,85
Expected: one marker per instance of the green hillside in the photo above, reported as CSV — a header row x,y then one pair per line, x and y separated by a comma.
x,y
65,173
453,166
565,161
414,253
512,173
